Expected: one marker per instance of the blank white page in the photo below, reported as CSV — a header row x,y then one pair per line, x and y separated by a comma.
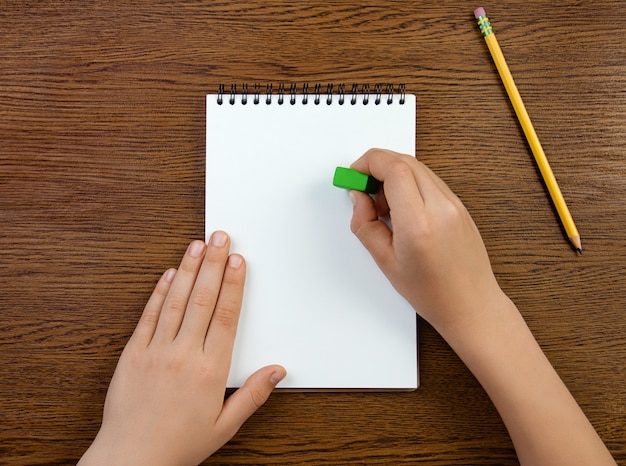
x,y
315,301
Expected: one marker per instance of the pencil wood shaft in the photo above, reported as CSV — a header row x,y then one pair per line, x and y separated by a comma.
x,y
533,140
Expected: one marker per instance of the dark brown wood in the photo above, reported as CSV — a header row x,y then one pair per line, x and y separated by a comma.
x,y
102,178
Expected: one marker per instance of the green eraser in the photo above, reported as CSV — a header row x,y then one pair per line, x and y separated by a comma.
x,y
351,179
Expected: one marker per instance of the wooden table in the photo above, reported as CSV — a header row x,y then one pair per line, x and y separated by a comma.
x,y
102,179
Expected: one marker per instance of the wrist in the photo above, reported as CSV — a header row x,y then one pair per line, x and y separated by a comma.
x,y
104,452
479,321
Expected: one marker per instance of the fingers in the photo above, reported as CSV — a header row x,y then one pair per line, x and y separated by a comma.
x,y
150,317
404,183
395,168
175,303
248,398
410,192
373,233
406,187
409,188
204,295
222,330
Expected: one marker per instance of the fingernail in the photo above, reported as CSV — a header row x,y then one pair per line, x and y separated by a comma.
x,y
277,376
219,239
169,275
196,249
235,261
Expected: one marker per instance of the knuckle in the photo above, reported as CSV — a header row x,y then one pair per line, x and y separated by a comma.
x,y
226,314
355,227
189,265
176,361
360,229
203,297
176,303
451,214
258,397
401,168
208,374
150,317
216,258
233,280
162,288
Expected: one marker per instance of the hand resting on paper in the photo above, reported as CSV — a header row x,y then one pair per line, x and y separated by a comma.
x,y
434,256
165,404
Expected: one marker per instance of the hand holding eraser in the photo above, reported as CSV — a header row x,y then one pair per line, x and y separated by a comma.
x,y
351,179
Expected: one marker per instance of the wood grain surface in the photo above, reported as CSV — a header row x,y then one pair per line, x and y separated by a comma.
x,y
102,186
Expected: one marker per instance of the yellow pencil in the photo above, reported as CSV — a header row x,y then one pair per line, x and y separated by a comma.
x,y
527,126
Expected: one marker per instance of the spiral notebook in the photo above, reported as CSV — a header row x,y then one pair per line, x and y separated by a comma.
x,y
315,301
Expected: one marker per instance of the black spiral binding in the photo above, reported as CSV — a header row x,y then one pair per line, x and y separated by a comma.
x,y
328,94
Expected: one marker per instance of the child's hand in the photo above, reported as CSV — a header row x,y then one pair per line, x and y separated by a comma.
x,y
165,404
434,256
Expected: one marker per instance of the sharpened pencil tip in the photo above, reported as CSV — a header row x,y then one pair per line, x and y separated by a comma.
x,y
579,251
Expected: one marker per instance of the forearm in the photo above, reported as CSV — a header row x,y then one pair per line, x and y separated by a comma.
x,y
545,423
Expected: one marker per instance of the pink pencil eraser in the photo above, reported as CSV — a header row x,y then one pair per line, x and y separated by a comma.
x,y
480,11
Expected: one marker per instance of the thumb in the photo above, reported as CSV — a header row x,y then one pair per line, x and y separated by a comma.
x,y
373,233
248,398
